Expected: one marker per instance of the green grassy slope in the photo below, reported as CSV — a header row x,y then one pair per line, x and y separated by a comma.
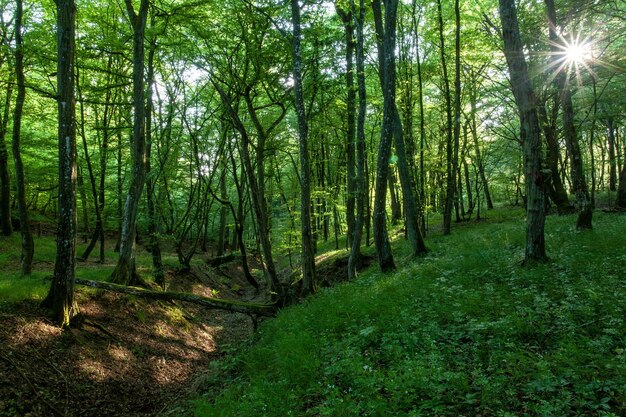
x,y
465,331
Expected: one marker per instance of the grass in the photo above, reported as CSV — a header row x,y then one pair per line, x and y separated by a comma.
x,y
15,288
464,331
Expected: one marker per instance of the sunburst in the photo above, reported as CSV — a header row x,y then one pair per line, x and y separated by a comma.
x,y
572,55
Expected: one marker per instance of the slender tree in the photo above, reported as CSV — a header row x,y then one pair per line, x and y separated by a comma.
x,y
386,43
348,24
125,271
6,224
61,295
354,261
5,177
308,254
450,169
530,132
579,183
381,235
28,245
457,104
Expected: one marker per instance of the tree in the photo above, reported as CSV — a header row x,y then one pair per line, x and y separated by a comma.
x,y
60,298
354,260
125,270
386,43
530,133
579,183
450,168
28,245
381,235
348,23
5,177
308,255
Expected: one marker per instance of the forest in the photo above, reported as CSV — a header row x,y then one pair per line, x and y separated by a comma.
x,y
313,208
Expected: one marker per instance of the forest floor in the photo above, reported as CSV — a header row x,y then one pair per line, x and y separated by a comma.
x,y
127,356
130,357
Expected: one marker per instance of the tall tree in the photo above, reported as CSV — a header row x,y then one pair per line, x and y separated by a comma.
x,y
5,177
348,23
125,271
386,43
457,105
354,260
381,235
61,295
579,183
28,245
530,132
308,254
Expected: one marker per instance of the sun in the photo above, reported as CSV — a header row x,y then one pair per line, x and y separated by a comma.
x,y
576,52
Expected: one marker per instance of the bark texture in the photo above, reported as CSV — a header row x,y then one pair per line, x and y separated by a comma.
x,y
530,133
61,295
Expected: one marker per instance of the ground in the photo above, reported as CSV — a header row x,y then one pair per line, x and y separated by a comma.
x,y
129,356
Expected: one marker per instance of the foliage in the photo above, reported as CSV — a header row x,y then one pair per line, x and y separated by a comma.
x,y
465,331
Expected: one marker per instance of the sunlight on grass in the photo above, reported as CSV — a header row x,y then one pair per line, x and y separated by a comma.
x,y
463,331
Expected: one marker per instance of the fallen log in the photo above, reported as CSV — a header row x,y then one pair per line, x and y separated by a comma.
x,y
259,309
220,260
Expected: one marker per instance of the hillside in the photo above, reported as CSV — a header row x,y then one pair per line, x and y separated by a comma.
x,y
463,331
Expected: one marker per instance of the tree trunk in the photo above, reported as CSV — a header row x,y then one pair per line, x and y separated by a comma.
x,y
221,238
153,228
308,254
457,110
5,178
256,197
355,259
422,172
555,188
612,158
61,295
480,163
385,38
28,245
348,24
579,183
450,169
396,208
530,133
99,229
125,271
621,190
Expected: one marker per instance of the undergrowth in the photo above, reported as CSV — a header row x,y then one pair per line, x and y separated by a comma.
x,y
465,331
